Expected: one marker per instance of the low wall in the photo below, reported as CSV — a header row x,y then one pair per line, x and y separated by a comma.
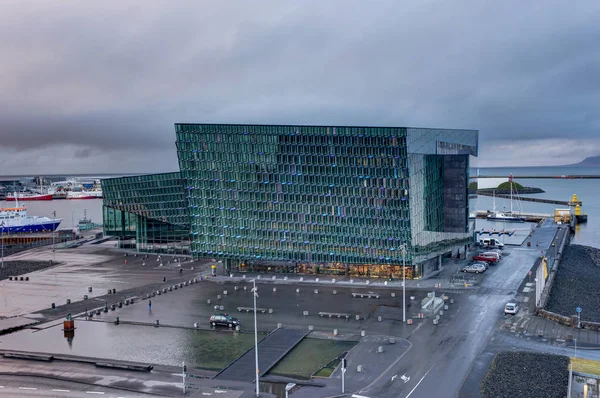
x,y
552,272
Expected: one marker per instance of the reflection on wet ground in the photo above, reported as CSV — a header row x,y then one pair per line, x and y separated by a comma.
x,y
156,345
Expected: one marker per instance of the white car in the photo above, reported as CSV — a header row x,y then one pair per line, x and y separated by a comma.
x,y
476,268
511,309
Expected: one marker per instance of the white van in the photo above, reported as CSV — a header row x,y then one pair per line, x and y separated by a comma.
x,y
492,242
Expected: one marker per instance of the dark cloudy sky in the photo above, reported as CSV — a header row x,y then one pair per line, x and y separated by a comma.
x,y
95,86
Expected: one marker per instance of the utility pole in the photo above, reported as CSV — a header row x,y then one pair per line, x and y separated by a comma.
x,y
183,369
255,294
344,363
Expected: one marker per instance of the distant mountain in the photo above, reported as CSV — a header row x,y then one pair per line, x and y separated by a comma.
x,y
592,161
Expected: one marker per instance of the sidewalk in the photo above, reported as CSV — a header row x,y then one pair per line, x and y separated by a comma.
x,y
161,381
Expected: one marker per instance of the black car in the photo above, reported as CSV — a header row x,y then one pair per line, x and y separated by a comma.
x,y
224,320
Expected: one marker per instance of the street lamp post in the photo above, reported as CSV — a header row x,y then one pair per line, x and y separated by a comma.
x,y
2,225
53,222
404,283
255,294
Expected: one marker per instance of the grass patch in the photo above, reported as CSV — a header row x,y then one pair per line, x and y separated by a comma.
x,y
215,350
586,366
310,356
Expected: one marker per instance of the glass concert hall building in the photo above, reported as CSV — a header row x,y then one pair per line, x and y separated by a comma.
x,y
337,200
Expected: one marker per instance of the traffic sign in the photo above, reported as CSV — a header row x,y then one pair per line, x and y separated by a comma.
x,y
578,309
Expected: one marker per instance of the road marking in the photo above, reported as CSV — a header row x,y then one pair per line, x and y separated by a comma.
x,y
27,388
394,377
95,392
358,396
59,390
425,375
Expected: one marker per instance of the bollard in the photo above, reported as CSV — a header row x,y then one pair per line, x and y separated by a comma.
x,y
316,280
130,301
192,268
185,283
231,275
143,263
270,310
117,321
441,313
385,283
106,308
170,288
363,333
208,301
175,287
359,368
409,321
98,312
53,306
451,301
301,279
85,296
412,297
305,313
279,325
297,290
158,292
10,278
127,302
157,323
196,325
236,288
311,328
357,317
164,290
274,289
89,289
380,349
333,280
335,332
257,276
368,282
245,287
219,297
164,278
113,307
334,292
243,276
120,304
378,319
222,307
21,278
273,277
26,278
216,307
393,340
237,328
285,278
153,294
435,321
393,295
316,291
91,314
224,292
351,280
195,280
446,307
68,301
181,285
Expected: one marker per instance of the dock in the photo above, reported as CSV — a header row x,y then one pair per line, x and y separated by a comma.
x,y
528,199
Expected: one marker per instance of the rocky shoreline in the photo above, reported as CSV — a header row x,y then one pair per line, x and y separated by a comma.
x,y
15,268
526,375
576,283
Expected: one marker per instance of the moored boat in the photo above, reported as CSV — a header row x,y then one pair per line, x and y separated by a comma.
x,y
84,195
14,220
11,197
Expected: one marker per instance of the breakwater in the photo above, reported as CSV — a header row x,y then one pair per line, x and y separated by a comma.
x,y
581,176
526,199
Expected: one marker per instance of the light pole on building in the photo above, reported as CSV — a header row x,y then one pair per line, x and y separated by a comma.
x,y
255,294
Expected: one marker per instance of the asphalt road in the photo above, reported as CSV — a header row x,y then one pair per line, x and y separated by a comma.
x,y
26,386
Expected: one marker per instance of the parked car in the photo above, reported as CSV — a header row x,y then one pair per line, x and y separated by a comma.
x,y
476,268
493,254
482,257
511,309
224,320
484,263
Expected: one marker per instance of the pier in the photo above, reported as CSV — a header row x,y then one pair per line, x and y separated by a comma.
x,y
526,199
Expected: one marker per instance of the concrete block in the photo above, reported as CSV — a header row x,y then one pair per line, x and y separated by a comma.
x,y
224,292
446,307
412,297
311,328
436,321
379,319
393,294
208,301
274,289
221,308
305,313
219,297
392,340
270,310
363,333
357,317
380,349
451,301
279,325
359,368
237,328
335,332
236,288
216,307
441,313
297,290
316,291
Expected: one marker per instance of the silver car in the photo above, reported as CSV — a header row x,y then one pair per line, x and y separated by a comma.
x,y
476,268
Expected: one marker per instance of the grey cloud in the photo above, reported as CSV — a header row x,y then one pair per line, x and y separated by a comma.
x,y
113,76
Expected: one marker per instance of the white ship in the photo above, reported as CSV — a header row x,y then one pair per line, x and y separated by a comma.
x,y
14,220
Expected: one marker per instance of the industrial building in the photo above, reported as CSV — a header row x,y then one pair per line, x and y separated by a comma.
x,y
339,200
